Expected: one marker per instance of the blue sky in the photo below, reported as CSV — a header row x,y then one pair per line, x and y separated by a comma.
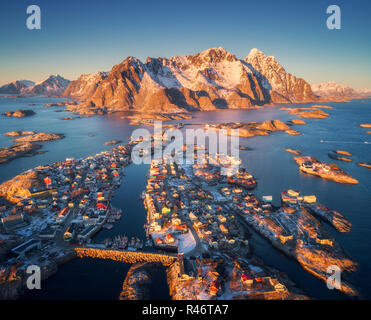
x,y
85,36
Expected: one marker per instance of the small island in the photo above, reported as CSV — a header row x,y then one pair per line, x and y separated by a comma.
x,y
112,142
19,113
296,152
41,136
17,133
323,107
24,146
297,121
342,152
292,132
310,165
251,129
310,113
364,164
18,150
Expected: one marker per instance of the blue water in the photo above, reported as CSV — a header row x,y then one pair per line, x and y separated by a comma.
x,y
273,167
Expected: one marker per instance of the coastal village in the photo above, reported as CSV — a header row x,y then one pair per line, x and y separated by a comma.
x,y
197,198
194,212
50,208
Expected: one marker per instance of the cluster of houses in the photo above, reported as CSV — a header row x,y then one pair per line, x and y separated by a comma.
x,y
201,278
294,197
176,202
71,200
251,281
286,225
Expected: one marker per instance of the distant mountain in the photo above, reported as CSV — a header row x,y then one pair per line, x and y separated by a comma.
x,y
16,87
53,85
364,92
212,79
334,90
85,86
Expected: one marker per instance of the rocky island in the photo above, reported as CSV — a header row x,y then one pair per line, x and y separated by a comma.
x,y
335,156
297,121
19,113
24,146
41,136
112,142
17,133
310,165
310,113
251,129
364,164
292,151
17,150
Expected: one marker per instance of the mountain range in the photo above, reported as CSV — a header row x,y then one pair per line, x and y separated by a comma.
x,y
209,80
333,89
16,87
212,79
54,85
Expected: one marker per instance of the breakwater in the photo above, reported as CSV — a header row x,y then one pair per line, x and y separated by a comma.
x,y
126,256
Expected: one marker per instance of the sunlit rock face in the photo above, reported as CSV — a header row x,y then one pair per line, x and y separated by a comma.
x,y
209,80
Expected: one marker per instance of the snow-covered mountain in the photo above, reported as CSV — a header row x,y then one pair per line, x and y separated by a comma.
x,y
284,86
16,87
332,89
212,79
364,92
53,85
85,86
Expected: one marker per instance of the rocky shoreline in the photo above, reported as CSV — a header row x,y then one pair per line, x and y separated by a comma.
x,y
137,282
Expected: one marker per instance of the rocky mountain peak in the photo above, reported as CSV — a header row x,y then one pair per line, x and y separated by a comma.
x,y
211,56
284,86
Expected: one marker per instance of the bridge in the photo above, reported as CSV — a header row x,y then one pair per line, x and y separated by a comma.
x,y
126,256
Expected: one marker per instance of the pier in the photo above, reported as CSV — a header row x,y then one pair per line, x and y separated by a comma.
x,y
126,256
